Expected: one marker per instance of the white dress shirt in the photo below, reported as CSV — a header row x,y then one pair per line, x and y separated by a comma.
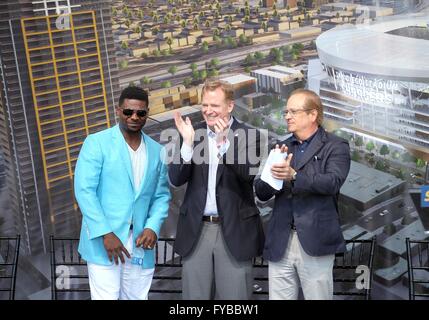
x,y
215,153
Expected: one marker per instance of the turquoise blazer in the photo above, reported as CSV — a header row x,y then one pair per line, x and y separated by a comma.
x,y
104,190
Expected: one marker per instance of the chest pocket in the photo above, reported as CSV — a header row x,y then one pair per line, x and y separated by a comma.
x,y
315,165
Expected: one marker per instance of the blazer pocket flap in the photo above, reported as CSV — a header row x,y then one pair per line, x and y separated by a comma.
x,y
248,212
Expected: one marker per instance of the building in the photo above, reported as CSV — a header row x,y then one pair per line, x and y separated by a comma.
x,y
256,100
278,80
303,32
366,187
241,84
59,82
376,79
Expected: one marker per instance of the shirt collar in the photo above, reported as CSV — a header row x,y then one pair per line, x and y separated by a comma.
x,y
294,140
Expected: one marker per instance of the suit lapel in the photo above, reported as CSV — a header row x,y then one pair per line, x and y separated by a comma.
x,y
147,166
124,153
233,140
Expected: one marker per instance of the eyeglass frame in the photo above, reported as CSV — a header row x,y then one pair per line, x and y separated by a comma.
x,y
293,113
127,110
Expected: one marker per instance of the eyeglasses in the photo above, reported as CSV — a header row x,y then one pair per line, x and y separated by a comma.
x,y
293,113
130,112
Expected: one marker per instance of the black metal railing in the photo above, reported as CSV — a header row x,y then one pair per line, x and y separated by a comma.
x,y
418,268
9,253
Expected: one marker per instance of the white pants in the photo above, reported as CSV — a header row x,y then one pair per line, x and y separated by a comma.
x,y
314,273
123,281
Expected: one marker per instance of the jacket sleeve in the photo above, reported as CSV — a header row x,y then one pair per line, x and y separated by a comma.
x,y
158,209
329,182
263,190
86,180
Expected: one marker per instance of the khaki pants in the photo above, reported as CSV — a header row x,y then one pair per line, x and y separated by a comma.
x,y
296,266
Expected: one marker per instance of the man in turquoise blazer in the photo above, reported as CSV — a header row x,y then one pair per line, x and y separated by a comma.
x,y
122,190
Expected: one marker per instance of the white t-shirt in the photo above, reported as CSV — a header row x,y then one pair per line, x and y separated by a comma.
x,y
138,161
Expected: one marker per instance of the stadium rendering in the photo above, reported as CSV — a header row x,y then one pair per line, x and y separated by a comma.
x,y
374,78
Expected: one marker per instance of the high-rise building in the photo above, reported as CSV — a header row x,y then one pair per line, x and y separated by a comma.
x,y
59,82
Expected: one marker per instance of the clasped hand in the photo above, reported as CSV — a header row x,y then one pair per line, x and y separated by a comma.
x,y
283,170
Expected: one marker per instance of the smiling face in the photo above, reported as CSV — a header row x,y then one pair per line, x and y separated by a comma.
x,y
215,106
133,123
301,121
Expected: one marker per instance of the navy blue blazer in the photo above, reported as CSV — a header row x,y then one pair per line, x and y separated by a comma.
x,y
310,200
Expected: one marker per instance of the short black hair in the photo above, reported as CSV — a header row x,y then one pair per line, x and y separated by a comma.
x,y
136,93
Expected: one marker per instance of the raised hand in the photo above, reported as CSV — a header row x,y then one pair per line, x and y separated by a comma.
x,y
185,128
221,128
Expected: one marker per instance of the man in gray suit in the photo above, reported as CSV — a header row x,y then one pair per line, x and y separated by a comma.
x,y
219,229
304,231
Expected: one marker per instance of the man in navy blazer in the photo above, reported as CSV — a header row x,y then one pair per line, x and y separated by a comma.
x,y
304,232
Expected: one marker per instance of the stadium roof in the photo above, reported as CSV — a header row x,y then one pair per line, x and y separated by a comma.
x,y
371,50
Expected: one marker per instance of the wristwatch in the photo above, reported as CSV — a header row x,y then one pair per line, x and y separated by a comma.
x,y
294,176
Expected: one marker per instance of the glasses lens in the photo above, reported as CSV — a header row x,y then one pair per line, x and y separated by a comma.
x,y
141,113
127,112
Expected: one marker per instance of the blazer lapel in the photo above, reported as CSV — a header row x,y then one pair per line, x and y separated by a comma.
x,y
147,169
315,145
125,155
233,140
204,144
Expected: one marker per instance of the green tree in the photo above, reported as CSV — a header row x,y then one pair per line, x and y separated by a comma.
x,y
123,64
205,47
213,73
172,70
203,74
355,155
259,56
379,165
420,163
187,81
250,59
195,75
194,66
140,14
138,29
169,41
370,146
384,150
400,174
358,142
396,155
215,62
124,45
156,53
145,80
243,39
166,84
247,69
